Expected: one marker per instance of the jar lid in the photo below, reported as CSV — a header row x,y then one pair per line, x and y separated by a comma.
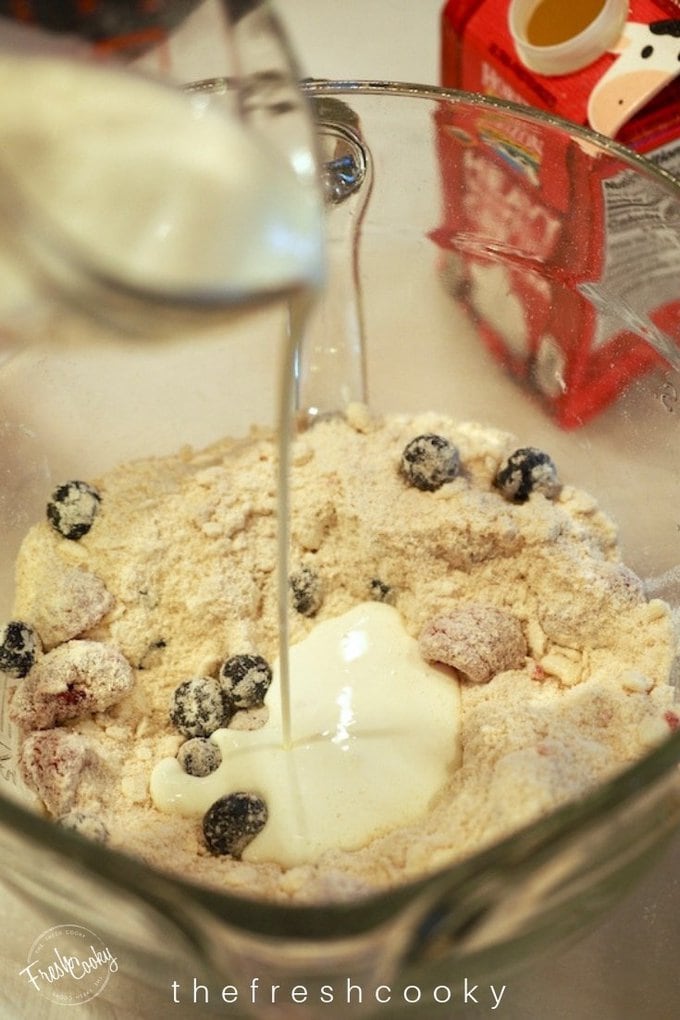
x,y
557,37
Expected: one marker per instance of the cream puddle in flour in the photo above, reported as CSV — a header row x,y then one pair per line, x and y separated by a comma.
x,y
376,731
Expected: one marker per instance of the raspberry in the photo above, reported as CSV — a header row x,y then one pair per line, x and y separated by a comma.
x,y
199,707
75,679
478,641
19,645
673,720
429,461
199,756
246,680
525,471
72,509
53,763
233,822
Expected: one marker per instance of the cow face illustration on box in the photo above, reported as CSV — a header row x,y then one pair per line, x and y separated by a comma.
x,y
648,58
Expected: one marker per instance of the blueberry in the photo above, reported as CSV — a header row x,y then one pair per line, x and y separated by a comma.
x,y
525,471
246,679
19,646
429,461
233,822
306,591
379,591
199,706
152,654
72,509
199,756
87,825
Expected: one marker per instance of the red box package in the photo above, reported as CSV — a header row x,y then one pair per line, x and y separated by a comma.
x,y
542,198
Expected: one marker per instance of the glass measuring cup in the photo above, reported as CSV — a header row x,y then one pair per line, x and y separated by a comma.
x,y
237,185
436,345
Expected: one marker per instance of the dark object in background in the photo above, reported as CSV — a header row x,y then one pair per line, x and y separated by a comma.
x,y
126,27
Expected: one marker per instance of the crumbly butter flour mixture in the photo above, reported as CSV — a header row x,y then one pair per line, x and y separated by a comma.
x,y
143,645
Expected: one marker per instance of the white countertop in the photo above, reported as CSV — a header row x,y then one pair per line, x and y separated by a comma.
x,y
390,40
627,968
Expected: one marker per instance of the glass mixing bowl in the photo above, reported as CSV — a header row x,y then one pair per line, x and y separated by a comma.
x,y
500,266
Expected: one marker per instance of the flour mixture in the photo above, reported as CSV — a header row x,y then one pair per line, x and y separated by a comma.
x,y
469,652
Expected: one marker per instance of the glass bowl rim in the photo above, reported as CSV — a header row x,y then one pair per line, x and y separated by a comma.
x,y
312,87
